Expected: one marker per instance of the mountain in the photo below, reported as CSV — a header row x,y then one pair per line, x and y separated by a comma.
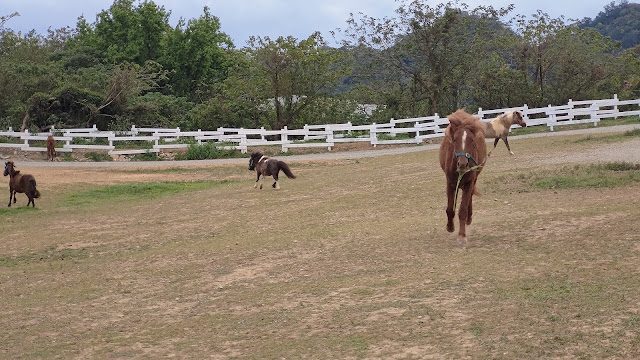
x,y
620,21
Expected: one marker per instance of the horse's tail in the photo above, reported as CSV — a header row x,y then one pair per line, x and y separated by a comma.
x,y
285,168
32,189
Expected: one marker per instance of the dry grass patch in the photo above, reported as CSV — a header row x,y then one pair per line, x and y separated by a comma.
x,y
349,260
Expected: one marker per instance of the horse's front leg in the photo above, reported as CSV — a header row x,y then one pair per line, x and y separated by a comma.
x,y
506,142
451,190
10,196
257,179
463,213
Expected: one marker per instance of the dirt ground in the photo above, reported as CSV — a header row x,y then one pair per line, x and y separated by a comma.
x,y
350,260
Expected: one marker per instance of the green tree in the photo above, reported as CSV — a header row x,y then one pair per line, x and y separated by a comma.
x,y
197,56
430,51
126,32
296,73
560,61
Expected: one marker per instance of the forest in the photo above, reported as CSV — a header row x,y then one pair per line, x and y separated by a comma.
x,y
130,66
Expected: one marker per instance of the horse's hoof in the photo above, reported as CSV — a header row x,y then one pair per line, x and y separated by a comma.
x,y
469,220
511,152
260,186
450,228
462,240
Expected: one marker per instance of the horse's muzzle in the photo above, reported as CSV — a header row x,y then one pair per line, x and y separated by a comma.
x,y
463,164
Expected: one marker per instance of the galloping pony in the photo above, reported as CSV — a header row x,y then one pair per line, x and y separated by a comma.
x,y
19,183
499,127
51,148
268,167
462,156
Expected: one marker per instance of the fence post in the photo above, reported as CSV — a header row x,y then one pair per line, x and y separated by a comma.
x,y
284,137
26,141
373,135
552,119
615,107
243,143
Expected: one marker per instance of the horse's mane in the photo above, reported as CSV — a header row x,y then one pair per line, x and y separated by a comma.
x,y
461,118
257,154
507,118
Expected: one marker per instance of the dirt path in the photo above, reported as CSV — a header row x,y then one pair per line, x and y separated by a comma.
x,y
629,151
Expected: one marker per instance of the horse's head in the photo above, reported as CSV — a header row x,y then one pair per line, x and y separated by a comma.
x,y
465,149
253,161
8,167
517,118
467,141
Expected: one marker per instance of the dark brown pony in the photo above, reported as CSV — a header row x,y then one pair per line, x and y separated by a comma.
x,y
51,148
499,127
19,183
462,155
268,167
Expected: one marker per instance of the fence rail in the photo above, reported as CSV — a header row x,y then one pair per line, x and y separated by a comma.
x,y
397,131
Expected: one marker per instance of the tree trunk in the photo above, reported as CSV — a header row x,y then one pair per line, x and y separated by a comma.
x,y
25,122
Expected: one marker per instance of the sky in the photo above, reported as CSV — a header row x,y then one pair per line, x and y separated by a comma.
x,y
241,19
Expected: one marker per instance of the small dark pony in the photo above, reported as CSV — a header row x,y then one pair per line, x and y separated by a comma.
x,y
268,167
19,183
462,156
499,127
51,148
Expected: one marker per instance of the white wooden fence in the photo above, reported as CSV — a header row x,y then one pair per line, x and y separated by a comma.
x,y
411,131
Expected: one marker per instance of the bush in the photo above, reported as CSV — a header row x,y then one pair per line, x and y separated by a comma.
x,y
98,157
148,156
208,151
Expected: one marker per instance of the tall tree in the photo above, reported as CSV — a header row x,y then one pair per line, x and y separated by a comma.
x,y
126,32
561,61
296,73
432,48
197,56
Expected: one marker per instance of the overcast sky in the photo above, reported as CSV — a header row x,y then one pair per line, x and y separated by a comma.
x,y
241,19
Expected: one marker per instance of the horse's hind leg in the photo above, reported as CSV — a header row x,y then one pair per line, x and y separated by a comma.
x,y
495,143
275,183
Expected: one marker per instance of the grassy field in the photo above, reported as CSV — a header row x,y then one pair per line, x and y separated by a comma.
x,y
350,260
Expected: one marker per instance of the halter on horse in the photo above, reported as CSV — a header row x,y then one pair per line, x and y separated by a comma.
x,y
462,156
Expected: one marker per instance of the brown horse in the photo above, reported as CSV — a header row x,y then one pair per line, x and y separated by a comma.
x,y
268,167
462,156
19,183
51,148
499,127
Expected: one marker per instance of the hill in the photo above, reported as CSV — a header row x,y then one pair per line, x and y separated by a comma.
x,y
620,21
